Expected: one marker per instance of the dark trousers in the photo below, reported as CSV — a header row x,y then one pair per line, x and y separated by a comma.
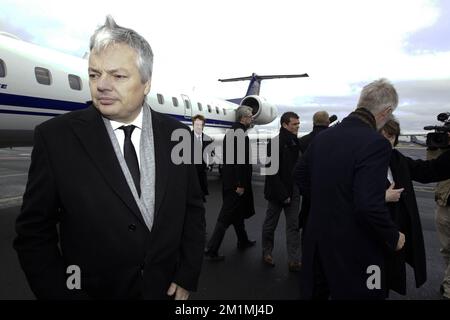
x,y
321,290
230,214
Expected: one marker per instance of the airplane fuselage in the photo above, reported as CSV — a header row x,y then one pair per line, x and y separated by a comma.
x,y
37,84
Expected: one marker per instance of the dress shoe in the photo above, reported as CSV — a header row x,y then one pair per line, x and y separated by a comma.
x,y
211,256
268,260
246,244
294,266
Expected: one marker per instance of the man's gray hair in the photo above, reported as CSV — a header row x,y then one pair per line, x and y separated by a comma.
x,y
321,118
243,111
111,33
377,96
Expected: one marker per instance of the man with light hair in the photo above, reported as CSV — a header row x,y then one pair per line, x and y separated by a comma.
x,y
349,228
381,99
321,121
236,186
321,118
104,176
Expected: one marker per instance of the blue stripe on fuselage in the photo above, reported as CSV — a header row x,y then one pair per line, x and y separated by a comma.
x,y
30,113
42,103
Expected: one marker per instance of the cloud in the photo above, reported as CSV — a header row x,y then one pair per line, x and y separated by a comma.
x,y
15,30
420,102
431,39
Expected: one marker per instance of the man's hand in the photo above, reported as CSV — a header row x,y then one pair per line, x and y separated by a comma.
x,y
180,293
287,201
393,195
240,191
400,242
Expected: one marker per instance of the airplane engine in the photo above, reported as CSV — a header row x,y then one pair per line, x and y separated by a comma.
x,y
263,111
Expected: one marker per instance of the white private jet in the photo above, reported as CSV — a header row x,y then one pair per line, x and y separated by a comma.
x,y
37,84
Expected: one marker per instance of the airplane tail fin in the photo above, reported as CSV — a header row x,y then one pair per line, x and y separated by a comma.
x,y
255,82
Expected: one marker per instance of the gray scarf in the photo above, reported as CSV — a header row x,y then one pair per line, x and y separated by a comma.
x,y
366,116
146,202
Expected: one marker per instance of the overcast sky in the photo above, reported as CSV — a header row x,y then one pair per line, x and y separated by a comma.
x,y
341,44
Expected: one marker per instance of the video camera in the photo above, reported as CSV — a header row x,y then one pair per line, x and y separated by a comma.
x,y
439,138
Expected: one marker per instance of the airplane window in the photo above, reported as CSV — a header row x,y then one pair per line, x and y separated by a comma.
x,y
217,110
209,108
74,82
187,104
224,111
43,76
2,69
160,98
175,101
199,105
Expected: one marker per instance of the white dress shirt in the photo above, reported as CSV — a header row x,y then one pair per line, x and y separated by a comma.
x,y
199,138
135,136
389,176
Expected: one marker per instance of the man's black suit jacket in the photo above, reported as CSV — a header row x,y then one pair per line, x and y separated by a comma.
x,y
304,142
237,172
237,169
202,167
75,182
349,227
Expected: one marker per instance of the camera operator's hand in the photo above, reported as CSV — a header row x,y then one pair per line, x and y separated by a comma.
x,y
393,195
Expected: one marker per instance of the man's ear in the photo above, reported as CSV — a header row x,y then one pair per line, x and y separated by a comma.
x,y
387,110
147,87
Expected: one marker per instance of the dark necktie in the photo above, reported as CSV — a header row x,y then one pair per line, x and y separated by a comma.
x,y
198,150
131,158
